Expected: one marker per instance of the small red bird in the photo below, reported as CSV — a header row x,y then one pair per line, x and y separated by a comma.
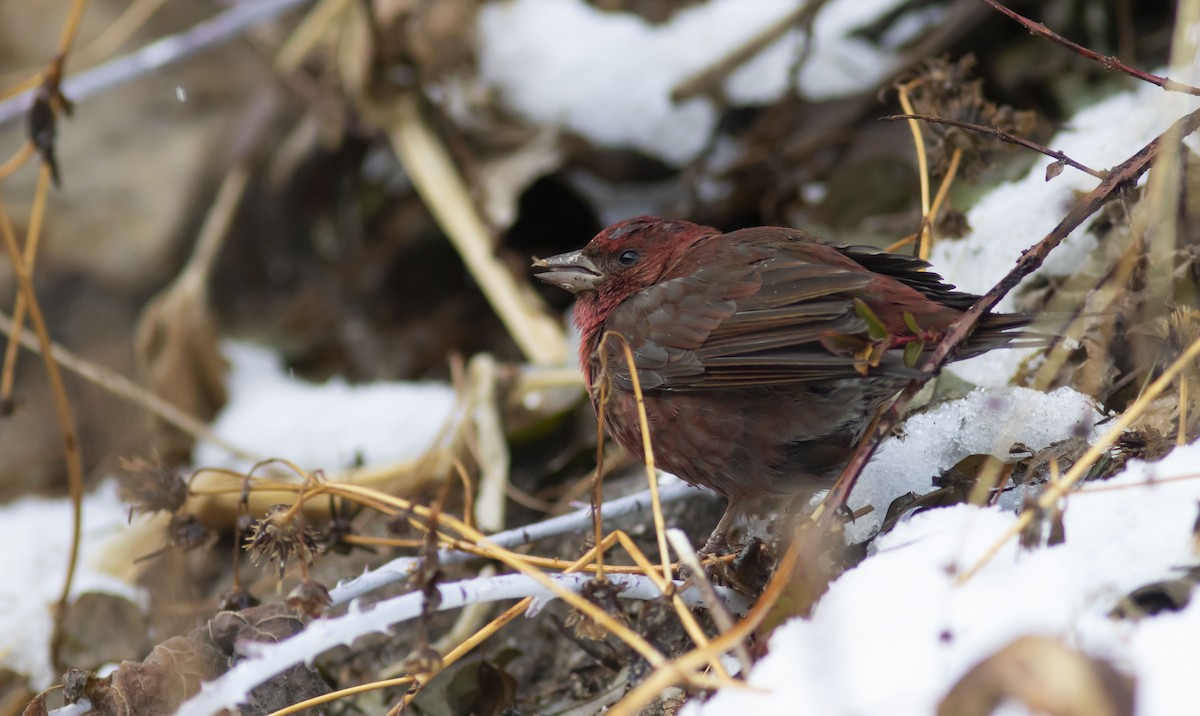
x,y
762,354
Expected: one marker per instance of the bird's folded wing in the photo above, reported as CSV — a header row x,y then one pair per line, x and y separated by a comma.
x,y
758,322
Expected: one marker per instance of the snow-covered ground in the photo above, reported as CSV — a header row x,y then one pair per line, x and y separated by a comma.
x,y
36,534
609,76
893,634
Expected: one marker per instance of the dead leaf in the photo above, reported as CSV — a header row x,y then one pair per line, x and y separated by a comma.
x,y
176,341
1045,677
101,629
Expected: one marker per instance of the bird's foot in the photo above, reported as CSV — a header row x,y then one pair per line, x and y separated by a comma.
x,y
716,546
718,542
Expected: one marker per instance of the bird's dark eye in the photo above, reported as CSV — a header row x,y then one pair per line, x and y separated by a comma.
x,y
628,258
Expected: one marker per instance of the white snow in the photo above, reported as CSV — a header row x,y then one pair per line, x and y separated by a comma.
x,y
328,426
877,641
984,422
892,635
36,534
1012,217
270,413
608,76
877,644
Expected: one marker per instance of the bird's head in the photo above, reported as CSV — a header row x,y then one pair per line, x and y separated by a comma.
x,y
621,260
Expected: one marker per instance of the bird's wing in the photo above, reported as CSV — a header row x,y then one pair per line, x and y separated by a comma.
x,y
765,319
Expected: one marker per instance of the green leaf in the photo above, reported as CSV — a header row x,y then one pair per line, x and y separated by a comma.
x,y
911,322
912,353
875,327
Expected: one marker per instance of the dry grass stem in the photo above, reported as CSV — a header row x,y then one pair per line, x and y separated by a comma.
x,y
647,448
490,444
922,172
667,587
332,696
943,191
32,240
124,388
720,615
17,160
119,31
709,79
448,198
1059,489
649,689
319,21
66,422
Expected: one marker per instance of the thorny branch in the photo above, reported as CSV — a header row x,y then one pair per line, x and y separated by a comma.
x,y
1122,176
1003,137
1107,61
209,33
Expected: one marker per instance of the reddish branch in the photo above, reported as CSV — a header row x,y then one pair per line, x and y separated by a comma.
x,y
1003,137
1107,61
1124,175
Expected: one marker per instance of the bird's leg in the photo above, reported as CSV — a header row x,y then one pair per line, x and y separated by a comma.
x,y
718,541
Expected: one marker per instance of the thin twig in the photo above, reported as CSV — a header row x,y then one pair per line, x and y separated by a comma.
x,y
716,608
1123,175
173,48
1003,137
122,387
402,567
1058,489
707,79
922,173
445,193
1108,62
33,236
66,423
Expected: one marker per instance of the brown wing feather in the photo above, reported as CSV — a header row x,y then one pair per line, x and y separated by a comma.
x,y
755,316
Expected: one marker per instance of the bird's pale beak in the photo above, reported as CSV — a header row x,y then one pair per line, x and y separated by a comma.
x,y
571,271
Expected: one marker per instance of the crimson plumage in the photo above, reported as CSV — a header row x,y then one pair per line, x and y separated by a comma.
x,y
762,353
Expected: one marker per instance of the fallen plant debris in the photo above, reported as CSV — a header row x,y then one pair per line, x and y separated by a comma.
x,y
1022,672
408,458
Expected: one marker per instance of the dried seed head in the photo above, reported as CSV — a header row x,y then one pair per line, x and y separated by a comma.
x,y
604,595
187,532
279,534
584,626
1144,443
1182,328
149,486
946,90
